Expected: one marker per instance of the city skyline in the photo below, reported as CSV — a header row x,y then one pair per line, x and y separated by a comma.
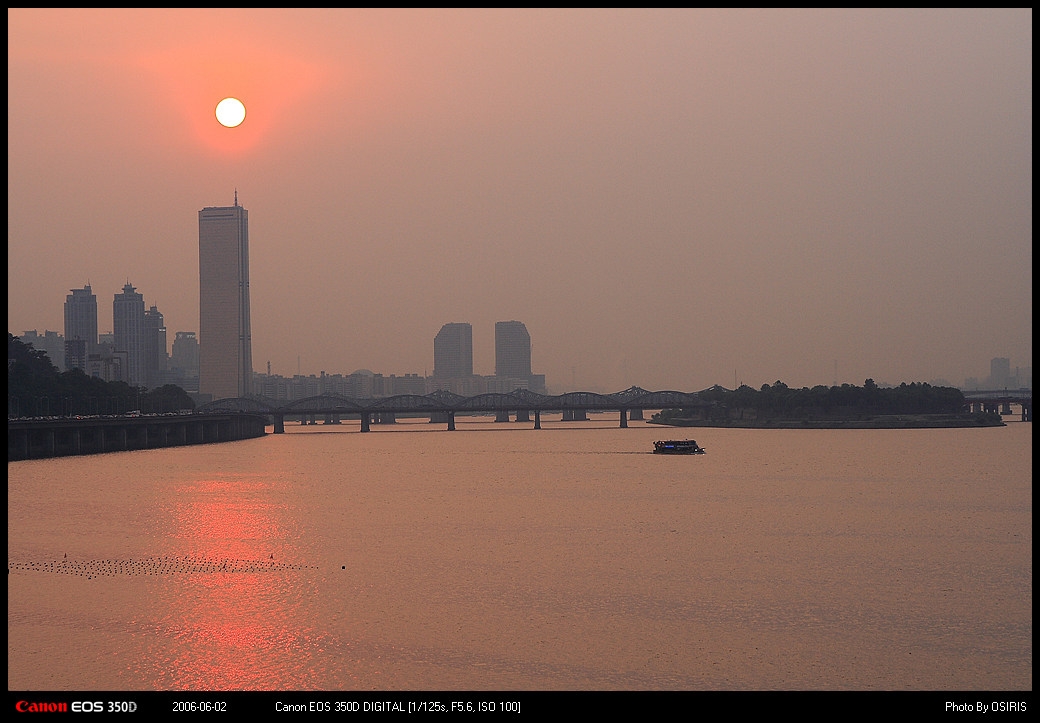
x,y
453,345
1002,373
667,198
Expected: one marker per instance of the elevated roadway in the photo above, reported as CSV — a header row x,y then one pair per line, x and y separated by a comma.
x,y
1000,401
65,436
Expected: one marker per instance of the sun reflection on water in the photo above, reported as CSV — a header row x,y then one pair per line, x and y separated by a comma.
x,y
232,626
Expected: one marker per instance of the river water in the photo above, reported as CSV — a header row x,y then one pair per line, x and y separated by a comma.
x,y
500,557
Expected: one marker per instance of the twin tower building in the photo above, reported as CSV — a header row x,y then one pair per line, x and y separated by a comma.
x,y
225,343
453,361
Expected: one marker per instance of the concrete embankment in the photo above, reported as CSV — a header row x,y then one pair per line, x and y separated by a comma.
x,y
39,439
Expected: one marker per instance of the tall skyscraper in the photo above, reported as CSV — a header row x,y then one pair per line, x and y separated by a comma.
x,y
453,352
512,350
225,341
155,356
81,329
128,328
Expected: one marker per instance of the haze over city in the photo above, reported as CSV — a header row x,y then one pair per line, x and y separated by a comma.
x,y
667,198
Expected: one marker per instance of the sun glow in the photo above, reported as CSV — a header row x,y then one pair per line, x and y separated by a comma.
x,y
231,112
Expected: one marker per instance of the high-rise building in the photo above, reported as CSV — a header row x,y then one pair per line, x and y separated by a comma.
x,y
225,341
155,356
1000,373
50,342
81,328
108,364
513,359
453,351
184,361
512,350
128,328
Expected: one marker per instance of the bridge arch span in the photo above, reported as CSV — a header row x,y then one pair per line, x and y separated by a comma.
x,y
585,400
492,402
663,399
322,404
409,403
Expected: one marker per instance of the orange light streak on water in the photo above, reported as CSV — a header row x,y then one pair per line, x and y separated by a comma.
x,y
220,627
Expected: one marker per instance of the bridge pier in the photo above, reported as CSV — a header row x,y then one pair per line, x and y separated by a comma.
x,y
523,415
624,418
451,421
365,422
279,424
502,416
537,419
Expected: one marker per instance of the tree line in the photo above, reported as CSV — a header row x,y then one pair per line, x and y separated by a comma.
x,y
822,402
36,388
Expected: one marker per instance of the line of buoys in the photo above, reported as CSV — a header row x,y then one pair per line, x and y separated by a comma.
x,y
164,565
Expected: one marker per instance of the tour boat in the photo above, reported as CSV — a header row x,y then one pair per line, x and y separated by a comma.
x,y
678,446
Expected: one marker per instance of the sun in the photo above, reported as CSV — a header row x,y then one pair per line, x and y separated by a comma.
x,y
231,112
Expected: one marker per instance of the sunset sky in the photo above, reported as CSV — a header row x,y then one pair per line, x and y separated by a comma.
x,y
666,198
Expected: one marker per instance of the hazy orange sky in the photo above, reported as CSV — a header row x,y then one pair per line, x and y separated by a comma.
x,y
666,198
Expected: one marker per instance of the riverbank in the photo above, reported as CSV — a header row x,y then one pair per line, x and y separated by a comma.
x,y
880,421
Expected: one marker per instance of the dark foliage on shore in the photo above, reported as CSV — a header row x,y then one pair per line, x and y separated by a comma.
x,y
778,401
35,388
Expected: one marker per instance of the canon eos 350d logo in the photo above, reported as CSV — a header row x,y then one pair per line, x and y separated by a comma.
x,y
76,706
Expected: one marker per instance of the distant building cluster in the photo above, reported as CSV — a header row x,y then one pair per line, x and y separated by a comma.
x,y
452,371
362,384
135,351
217,363
1001,377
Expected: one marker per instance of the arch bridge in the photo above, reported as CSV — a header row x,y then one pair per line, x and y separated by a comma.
x,y
442,406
